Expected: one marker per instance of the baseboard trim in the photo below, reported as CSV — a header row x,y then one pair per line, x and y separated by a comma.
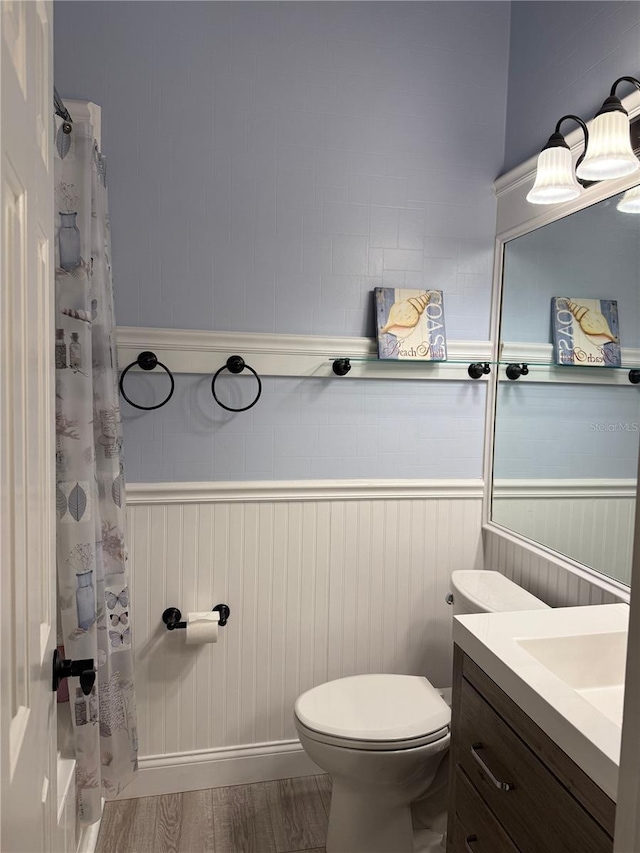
x,y
219,768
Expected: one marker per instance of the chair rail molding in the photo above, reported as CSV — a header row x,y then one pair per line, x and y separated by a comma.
x,y
300,490
200,351
548,488
543,368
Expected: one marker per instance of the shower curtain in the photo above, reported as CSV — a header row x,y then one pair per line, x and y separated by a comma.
x,y
94,607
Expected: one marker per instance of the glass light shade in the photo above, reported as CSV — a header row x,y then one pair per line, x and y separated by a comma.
x,y
555,179
609,153
630,201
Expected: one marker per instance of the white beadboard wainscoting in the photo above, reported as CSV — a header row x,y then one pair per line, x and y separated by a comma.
x,y
542,575
323,580
590,520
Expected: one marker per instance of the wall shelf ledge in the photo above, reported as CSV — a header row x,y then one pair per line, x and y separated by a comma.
x,y
203,352
541,367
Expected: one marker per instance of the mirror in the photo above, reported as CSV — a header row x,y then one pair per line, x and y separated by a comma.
x,y
566,438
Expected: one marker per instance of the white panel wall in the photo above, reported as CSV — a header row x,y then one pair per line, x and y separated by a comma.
x,y
543,578
323,579
320,585
596,531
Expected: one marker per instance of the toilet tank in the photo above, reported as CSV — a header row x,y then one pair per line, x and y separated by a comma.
x,y
479,591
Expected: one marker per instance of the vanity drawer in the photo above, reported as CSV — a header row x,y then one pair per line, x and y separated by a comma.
x,y
536,810
475,829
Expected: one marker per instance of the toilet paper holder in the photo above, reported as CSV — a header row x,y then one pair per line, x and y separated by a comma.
x,y
172,616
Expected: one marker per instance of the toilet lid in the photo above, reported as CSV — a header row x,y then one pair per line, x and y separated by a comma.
x,y
374,708
491,591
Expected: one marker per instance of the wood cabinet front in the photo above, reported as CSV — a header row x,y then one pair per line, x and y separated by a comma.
x,y
502,782
475,829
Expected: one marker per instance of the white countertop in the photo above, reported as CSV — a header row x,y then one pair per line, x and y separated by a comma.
x,y
588,735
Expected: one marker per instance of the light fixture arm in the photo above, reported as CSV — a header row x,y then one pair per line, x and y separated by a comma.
x,y
633,80
585,130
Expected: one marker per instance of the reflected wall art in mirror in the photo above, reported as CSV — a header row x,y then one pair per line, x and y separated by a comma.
x,y
566,437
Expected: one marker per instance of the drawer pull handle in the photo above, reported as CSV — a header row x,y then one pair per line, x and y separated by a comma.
x,y
502,786
468,842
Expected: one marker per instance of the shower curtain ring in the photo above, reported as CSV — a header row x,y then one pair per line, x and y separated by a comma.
x,y
146,361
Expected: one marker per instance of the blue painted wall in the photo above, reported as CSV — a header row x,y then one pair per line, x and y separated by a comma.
x,y
307,429
269,165
567,431
564,58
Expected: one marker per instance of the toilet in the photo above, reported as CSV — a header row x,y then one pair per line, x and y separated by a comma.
x,y
382,737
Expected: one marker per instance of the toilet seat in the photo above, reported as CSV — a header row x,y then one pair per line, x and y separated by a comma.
x,y
374,712
372,745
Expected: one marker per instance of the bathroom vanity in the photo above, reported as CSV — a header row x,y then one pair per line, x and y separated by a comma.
x,y
536,730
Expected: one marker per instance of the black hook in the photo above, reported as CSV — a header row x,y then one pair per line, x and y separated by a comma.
x,y
478,369
341,366
235,364
634,376
172,616
146,361
85,670
515,371
62,111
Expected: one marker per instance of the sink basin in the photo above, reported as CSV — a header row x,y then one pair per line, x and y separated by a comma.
x,y
592,664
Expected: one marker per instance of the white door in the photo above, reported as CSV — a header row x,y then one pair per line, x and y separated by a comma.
x,y
28,759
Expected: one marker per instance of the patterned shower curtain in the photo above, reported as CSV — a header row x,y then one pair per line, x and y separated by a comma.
x,y
93,592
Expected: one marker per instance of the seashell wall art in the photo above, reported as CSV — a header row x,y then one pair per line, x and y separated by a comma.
x,y
585,331
410,324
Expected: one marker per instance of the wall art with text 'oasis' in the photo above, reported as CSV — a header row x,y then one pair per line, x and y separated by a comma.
x,y
410,324
585,331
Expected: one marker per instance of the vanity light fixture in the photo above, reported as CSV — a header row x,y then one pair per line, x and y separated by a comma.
x,y
609,154
555,177
630,201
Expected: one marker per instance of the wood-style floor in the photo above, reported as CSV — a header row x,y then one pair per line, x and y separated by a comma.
x,y
287,816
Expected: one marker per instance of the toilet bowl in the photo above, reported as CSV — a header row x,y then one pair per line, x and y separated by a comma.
x,y
383,737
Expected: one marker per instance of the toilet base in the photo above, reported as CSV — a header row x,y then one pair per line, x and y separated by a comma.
x,y
426,841
367,824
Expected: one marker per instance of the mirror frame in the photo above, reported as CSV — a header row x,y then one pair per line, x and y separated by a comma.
x,y
515,218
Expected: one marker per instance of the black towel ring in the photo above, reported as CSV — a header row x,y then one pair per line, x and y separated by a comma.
x,y
235,364
146,361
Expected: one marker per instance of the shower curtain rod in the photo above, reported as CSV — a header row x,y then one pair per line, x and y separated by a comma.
x,y
60,109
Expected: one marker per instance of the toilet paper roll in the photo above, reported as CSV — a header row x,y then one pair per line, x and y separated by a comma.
x,y
202,627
